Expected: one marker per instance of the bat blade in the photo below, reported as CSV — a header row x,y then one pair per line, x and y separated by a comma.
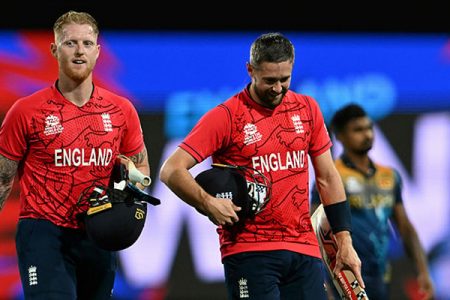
x,y
345,282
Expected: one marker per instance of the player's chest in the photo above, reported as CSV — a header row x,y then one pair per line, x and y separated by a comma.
x,y
368,193
283,131
56,129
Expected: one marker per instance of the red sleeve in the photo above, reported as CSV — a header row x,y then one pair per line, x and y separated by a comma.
x,y
13,133
211,133
133,137
320,140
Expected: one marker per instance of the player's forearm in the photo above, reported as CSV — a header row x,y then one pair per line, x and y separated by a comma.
x,y
8,169
343,239
347,256
140,160
415,250
330,188
328,181
181,182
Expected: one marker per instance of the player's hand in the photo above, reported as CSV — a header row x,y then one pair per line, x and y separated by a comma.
x,y
222,211
425,286
346,256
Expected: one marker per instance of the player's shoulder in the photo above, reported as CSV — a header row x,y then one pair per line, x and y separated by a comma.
x,y
36,99
388,174
113,98
238,97
300,97
294,99
345,169
234,102
385,169
39,95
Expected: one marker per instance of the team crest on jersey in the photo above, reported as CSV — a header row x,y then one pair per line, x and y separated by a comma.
x,y
252,135
298,125
385,182
52,125
107,124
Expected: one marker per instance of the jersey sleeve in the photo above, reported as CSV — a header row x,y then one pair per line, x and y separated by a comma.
x,y
13,133
211,132
133,137
320,140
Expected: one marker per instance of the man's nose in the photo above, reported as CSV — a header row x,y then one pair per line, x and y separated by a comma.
x,y
277,87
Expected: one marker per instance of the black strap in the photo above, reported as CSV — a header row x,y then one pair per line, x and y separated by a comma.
x,y
141,195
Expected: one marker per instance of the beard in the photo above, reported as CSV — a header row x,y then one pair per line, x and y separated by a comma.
x,y
268,99
78,75
364,149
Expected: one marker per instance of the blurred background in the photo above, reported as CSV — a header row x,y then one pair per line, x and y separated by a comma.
x,y
177,60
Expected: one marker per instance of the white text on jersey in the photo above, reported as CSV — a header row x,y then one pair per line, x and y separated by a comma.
x,y
76,157
279,161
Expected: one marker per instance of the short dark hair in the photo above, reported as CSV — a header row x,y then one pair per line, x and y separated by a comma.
x,y
271,47
344,115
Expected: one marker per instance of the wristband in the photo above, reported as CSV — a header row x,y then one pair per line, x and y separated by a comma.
x,y
339,216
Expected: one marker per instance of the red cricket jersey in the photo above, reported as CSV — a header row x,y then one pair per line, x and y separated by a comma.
x,y
65,150
276,142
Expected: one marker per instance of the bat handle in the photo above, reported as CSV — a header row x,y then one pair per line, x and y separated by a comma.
x,y
134,175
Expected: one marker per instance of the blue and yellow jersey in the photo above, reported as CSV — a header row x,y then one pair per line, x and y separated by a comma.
x,y
372,197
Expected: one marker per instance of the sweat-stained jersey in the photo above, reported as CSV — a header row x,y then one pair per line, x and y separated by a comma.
x,y
275,142
372,198
65,150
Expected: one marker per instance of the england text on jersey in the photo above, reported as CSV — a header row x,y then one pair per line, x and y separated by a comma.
x,y
76,157
279,161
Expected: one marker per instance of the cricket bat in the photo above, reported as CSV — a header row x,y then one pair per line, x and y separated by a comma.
x,y
345,282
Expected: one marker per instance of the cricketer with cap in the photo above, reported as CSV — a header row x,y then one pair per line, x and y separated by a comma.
x,y
272,130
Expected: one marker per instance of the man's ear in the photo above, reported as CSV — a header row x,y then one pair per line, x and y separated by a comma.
x,y
98,51
250,69
53,49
